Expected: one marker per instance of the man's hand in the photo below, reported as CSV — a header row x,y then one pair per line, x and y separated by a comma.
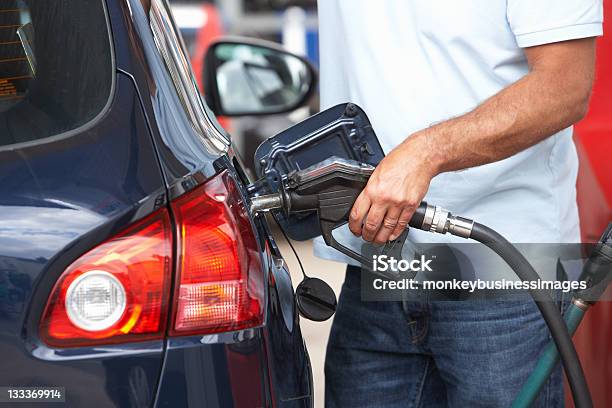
x,y
554,95
395,189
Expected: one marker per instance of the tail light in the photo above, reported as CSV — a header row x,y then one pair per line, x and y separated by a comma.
x,y
119,291
219,285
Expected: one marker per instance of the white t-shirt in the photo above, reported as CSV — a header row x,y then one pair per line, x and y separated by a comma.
x,y
412,63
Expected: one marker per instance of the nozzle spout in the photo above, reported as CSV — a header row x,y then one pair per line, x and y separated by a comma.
x,y
266,203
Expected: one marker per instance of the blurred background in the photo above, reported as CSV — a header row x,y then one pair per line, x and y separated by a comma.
x,y
292,23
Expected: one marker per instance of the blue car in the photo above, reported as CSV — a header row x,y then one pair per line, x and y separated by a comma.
x,y
132,272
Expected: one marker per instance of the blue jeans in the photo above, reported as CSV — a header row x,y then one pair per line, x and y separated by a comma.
x,y
433,354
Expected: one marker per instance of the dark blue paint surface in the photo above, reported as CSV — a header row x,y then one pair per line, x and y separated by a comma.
x,y
57,200
60,199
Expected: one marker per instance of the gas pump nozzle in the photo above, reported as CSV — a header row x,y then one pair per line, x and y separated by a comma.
x,y
331,187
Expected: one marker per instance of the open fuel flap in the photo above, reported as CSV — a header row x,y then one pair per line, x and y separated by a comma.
x,y
309,178
342,132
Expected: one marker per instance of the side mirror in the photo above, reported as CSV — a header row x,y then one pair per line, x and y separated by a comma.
x,y
253,77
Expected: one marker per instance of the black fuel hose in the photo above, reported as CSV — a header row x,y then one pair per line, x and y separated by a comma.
x,y
434,219
550,313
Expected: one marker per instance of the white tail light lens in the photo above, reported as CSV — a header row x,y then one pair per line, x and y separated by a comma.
x,y
96,300
115,293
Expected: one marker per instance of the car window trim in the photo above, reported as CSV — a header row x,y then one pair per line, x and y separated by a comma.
x,y
172,52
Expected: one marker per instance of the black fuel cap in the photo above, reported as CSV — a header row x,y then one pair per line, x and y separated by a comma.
x,y
316,300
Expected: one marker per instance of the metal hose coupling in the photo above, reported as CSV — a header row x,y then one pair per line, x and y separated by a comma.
x,y
267,202
437,219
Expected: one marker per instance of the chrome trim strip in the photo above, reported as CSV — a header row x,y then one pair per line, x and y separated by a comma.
x,y
180,70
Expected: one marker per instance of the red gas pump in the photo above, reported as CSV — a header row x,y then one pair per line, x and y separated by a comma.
x,y
593,138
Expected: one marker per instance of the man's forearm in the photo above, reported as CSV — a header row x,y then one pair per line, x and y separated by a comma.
x,y
532,109
553,96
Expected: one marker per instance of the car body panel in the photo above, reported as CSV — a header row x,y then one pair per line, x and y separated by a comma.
x,y
181,149
59,199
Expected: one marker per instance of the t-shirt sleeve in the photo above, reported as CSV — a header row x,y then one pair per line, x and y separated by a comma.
x,y
537,22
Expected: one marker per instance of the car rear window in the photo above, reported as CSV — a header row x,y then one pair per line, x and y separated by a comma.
x,y
55,67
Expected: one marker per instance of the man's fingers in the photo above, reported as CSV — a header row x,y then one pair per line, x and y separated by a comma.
x,y
358,213
373,222
402,223
388,226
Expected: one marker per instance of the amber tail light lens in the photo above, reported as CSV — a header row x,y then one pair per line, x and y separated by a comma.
x,y
219,285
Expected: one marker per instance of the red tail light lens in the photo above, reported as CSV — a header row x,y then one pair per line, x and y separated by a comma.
x,y
117,292
219,282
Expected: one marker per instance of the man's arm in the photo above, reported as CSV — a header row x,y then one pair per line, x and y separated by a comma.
x,y
551,97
